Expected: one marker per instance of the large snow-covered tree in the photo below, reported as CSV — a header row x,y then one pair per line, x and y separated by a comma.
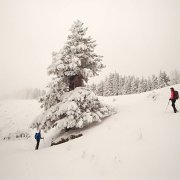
x,y
77,58
73,65
68,104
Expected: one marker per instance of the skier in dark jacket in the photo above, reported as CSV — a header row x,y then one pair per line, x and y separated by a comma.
x,y
173,99
38,138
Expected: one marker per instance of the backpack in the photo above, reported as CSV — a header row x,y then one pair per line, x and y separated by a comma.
x,y
37,136
176,95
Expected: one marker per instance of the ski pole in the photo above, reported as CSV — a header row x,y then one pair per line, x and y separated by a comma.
x,y
167,105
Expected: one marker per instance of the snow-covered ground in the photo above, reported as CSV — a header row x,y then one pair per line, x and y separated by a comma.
x,y
16,116
140,142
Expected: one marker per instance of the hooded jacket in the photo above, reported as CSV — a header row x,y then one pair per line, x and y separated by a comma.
x,y
172,94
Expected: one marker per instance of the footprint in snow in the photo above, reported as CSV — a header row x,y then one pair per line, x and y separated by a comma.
x,y
84,154
92,156
117,159
68,148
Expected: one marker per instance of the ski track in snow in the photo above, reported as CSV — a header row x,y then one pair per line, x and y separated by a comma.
x,y
140,142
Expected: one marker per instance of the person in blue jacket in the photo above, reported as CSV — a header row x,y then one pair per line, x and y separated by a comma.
x,y
38,138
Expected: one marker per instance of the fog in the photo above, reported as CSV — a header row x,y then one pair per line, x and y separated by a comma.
x,y
135,37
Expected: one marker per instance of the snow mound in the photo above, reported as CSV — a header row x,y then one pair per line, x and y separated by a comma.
x,y
154,95
16,116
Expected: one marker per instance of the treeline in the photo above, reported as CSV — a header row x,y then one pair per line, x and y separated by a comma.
x,y
115,84
28,93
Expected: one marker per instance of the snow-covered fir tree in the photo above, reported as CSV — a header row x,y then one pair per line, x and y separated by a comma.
x,y
149,84
67,103
100,89
163,79
121,84
175,77
73,65
140,86
110,85
127,85
134,85
106,86
154,82
115,84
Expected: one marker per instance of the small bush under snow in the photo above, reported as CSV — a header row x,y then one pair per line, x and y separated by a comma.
x,y
153,95
19,134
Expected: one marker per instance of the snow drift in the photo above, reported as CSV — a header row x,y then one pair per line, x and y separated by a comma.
x,y
140,142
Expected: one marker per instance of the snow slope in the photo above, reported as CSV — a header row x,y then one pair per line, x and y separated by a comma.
x,y
17,115
140,142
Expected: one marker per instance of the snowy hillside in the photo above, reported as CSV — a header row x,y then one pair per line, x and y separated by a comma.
x,y
16,116
140,142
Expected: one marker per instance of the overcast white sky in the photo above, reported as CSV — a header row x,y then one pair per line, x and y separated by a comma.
x,y
136,37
